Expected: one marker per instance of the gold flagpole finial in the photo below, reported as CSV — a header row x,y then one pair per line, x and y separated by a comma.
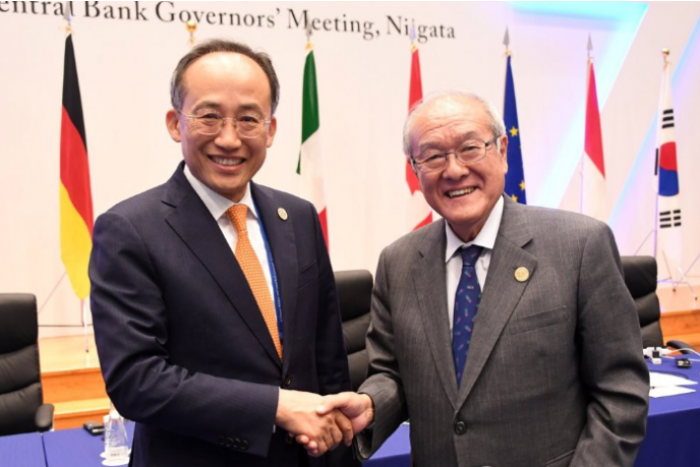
x,y
506,42
414,47
665,52
68,15
191,28
309,31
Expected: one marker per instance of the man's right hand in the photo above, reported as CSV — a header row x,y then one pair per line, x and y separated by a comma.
x,y
297,413
359,408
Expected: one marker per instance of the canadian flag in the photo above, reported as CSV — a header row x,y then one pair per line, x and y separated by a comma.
x,y
418,213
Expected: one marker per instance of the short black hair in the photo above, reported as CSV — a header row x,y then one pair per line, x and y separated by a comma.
x,y
223,45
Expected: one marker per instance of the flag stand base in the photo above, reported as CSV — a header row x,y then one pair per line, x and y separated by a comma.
x,y
683,279
643,242
670,280
83,314
684,276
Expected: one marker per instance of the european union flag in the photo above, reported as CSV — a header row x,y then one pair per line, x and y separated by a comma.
x,y
515,178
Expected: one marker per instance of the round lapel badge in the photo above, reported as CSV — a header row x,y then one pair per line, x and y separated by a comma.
x,y
522,274
282,213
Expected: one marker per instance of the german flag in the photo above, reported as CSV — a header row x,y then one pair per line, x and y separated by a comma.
x,y
75,195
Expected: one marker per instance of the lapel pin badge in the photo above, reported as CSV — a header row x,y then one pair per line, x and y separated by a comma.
x,y
522,274
282,213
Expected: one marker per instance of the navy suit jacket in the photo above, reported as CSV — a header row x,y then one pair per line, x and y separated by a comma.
x,y
183,347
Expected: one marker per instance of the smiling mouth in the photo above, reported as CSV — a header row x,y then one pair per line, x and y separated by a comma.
x,y
462,192
227,161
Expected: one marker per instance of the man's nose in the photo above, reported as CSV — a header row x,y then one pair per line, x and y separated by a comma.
x,y
454,169
228,136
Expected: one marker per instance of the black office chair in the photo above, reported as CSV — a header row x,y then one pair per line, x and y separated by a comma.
x,y
640,278
21,401
355,296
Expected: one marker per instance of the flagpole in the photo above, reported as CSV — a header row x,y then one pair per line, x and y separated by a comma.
x,y
665,53
583,156
83,308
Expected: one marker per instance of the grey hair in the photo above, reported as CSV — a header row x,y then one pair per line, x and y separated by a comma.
x,y
263,60
495,121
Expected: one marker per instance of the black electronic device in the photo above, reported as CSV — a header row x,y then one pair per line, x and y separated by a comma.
x,y
94,428
683,363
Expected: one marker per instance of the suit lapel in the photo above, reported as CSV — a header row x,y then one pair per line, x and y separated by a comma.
x,y
194,224
280,237
501,292
428,275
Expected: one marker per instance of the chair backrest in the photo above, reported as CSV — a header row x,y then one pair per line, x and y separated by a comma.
x,y
640,277
20,377
355,296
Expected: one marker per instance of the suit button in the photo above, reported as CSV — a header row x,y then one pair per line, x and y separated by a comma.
x,y
221,441
460,428
228,443
287,381
244,444
289,440
236,443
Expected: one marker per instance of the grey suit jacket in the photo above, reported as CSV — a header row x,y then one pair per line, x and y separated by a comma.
x,y
555,374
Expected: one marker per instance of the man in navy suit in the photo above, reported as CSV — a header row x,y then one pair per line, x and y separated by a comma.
x,y
184,348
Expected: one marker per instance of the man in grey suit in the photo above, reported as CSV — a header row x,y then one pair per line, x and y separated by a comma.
x,y
554,373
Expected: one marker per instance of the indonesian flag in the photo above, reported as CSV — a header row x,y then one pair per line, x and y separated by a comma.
x,y
593,178
75,196
669,239
419,213
309,165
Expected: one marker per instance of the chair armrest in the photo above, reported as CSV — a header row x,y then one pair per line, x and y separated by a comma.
x,y
44,417
680,345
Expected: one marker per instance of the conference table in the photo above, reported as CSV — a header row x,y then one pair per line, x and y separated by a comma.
x,y
77,448
673,437
24,450
673,425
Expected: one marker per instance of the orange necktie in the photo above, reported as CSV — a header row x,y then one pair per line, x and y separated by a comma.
x,y
253,272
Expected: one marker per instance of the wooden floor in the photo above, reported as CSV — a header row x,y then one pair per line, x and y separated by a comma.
x,y
72,380
680,313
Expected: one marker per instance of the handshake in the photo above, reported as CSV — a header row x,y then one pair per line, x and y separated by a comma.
x,y
321,423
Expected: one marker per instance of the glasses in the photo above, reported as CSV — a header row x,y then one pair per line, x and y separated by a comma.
x,y
469,152
210,122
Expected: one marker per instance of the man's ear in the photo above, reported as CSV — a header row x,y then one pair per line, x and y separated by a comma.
x,y
172,121
271,131
408,161
504,153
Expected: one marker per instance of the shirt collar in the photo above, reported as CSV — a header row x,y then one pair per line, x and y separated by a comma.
x,y
486,238
216,204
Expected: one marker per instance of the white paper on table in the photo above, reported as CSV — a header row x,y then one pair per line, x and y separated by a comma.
x,y
658,380
666,391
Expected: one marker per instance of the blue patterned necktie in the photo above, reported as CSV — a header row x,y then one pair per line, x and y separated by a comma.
x,y
466,303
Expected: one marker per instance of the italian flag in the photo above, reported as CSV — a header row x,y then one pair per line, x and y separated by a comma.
x,y
75,196
309,165
593,193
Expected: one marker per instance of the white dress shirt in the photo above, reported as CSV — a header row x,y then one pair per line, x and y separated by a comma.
x,y
486,238
218,205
